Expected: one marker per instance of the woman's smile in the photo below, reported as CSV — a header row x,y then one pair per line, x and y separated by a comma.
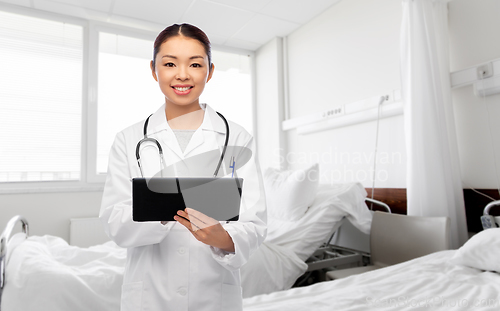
x,y
182,89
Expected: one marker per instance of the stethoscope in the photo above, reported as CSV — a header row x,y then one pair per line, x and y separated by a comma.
x,y
160,150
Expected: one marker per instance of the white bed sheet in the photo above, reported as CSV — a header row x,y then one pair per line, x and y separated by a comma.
x,y
45,273
425,283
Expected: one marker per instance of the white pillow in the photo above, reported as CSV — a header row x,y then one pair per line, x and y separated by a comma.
x,y
481,251
290,193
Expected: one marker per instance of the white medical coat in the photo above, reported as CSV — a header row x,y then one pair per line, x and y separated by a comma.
x,y
167,268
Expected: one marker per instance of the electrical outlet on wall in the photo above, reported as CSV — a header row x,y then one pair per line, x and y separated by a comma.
x,y
485,71
334,112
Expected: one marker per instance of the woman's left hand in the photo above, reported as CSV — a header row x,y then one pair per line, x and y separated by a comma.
x,y
205,229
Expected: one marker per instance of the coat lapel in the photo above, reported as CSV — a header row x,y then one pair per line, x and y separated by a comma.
x,y
159,128
208,137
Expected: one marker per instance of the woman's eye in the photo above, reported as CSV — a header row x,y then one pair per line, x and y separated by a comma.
x,y
169,65
196,65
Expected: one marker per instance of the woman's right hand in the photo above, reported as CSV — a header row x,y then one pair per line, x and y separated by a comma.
x,y
205,229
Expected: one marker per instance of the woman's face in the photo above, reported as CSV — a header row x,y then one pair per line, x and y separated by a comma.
x,y
182,71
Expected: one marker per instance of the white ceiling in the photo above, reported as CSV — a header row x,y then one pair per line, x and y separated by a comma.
x,y
245,24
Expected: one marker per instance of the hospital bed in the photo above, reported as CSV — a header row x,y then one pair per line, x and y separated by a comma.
x,y
463,279
46,272
347,247
432,282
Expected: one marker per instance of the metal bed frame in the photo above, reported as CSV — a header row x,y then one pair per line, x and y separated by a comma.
x,y
486,210
487,220
329,256
4,239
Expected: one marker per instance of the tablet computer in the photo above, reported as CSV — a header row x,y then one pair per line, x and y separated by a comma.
x,y
159,199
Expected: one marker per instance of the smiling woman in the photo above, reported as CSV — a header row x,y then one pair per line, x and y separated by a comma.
x,y
193,261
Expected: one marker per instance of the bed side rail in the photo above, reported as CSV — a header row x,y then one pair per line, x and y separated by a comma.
x,y
379,203
344,222
4,239
487,220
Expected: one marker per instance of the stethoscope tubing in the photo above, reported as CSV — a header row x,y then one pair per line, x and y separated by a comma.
x,y
225,144
160,150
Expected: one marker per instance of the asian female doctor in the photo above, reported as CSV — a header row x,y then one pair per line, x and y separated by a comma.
x,y
181,265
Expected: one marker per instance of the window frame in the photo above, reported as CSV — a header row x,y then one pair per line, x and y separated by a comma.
x,y
92,105
90,180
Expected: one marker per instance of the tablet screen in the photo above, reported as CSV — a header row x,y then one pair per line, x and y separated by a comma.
x,y
159,199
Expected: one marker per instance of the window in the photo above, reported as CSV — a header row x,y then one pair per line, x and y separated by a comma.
x,y
127,92
41,65
230,90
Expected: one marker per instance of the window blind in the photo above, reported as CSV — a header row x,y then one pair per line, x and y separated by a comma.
x,y
40,99
127,92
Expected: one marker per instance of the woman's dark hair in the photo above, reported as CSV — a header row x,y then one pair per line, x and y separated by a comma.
x,y
185,30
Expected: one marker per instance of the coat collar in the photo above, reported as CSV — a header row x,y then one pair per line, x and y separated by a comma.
x,y
211,121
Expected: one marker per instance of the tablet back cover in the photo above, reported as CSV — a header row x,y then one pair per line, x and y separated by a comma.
x,y
159,199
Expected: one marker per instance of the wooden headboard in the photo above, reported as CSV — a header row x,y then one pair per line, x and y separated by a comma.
x,y
474,203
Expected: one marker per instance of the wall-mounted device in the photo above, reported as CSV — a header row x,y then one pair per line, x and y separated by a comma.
x,y
485,78
365,110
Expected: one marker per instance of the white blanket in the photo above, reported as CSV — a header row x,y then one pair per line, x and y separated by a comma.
x,y
426,283
45,273
270,268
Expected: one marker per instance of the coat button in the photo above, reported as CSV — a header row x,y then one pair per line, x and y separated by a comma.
x,y
181,250
182,291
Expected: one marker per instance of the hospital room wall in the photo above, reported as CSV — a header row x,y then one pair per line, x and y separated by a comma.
x,y
350,52
268,101
49,213
474,31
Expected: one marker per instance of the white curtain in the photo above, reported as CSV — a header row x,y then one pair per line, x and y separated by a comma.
x,y
434,186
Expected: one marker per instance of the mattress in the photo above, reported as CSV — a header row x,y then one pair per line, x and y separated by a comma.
x,y
426,283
